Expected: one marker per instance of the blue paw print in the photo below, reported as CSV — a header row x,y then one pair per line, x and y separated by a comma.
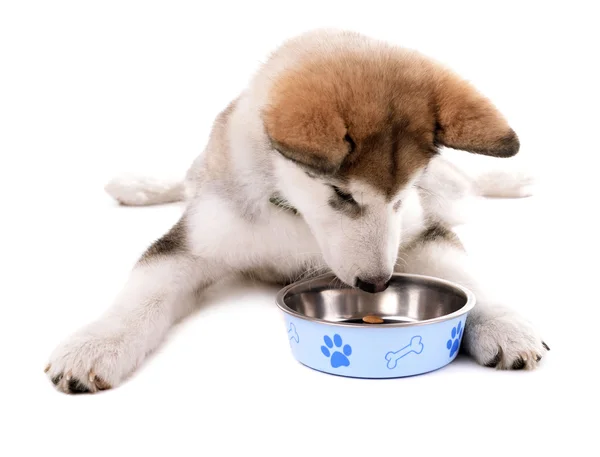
x,y
337,359
454,342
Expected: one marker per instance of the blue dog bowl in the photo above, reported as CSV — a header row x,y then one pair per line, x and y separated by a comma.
x,y
417,325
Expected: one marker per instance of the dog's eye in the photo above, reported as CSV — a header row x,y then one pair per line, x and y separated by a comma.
x,y
344,196
397,205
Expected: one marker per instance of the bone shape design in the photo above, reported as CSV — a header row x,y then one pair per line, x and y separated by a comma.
x,y
415,346
293,334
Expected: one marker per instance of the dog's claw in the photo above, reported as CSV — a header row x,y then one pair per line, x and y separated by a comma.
x,y
98,382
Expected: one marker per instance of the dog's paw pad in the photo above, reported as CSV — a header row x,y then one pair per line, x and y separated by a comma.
x,y
518,364
75,386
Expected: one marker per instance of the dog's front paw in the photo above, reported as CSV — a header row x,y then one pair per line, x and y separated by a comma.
x,y
90,361
503,340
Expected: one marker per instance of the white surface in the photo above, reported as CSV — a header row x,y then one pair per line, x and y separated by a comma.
x,y
91,90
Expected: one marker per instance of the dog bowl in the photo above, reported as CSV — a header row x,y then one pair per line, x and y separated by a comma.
x,y
420,322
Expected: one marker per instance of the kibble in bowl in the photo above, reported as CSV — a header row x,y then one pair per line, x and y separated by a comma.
x,y
370,319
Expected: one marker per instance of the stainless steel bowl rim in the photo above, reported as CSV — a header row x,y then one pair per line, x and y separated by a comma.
x,y
468,306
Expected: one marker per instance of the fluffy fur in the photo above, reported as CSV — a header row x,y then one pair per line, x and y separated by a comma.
x,y
346,130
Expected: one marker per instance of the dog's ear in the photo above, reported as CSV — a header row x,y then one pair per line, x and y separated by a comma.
x,y
314,138
304,126
468,121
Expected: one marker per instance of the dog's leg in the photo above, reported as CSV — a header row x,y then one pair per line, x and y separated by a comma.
x,y
160,291
484,176
450,193
495,335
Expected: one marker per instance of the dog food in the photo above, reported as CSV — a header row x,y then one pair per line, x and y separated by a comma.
x,y
370,319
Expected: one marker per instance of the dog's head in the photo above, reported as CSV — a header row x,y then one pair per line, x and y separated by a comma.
x,y
354,130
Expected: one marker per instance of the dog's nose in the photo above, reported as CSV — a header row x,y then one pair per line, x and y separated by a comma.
x,y
372,285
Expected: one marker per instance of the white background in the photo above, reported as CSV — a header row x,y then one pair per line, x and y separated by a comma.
x,y
91,89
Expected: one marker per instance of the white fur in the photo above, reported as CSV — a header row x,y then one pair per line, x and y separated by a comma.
x,y
276,237
231,227
133,190
506,184
492,326
155,297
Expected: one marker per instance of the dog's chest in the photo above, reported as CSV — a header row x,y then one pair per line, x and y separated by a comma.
x,y
274,237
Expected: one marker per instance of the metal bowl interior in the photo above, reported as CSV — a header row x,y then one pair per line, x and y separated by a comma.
x,y
409,300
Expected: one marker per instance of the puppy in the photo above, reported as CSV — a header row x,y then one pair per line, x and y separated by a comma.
x,y
328,161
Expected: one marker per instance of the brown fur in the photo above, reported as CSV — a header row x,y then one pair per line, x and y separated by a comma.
x,y
437,232
173,242
469,121
378,116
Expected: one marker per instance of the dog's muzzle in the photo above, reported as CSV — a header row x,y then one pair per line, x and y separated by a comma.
x,y
372,285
